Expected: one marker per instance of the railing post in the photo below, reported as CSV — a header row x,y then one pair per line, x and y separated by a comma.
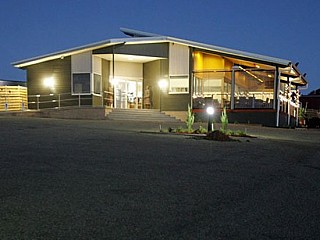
x,y
79,101
59,99
38,103
233,86
6,103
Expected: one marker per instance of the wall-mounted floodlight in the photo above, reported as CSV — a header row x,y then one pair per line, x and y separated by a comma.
x,y
163,84
210,112
49,82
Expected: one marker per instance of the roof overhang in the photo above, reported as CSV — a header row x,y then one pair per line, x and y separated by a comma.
x,y
293,75
144,37
90,47
60,54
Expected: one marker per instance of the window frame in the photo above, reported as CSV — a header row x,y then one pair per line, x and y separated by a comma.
x,y
181,78
73,84
94,84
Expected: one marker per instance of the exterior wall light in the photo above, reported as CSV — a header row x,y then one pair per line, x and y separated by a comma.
x,y
210,112
163,84
49,82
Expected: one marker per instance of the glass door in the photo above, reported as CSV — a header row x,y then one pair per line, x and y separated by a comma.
x,y
128,94
120,95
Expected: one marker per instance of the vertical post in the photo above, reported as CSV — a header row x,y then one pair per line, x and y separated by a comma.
x,y
59,101
38,103
160,99
298,105
113,83
191,77
23,104
276,89
79,100
6,101
289,101
233,86
210,112
297,116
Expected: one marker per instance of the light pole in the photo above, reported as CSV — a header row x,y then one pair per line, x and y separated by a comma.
x,y
162,87
210,112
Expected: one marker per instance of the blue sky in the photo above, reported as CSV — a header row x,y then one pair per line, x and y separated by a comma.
x,y
286,29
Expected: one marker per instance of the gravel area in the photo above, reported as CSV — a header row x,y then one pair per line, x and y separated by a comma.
x,y
81,179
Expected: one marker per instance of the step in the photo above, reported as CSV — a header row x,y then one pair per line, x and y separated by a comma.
x,y
140,115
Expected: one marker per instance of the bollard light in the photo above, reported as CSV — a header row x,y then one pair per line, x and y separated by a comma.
x,y
210,112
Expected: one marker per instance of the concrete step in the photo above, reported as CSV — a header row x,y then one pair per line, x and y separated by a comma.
x,y
140,115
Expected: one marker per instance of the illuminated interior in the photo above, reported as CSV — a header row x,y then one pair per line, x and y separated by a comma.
x,y
212,81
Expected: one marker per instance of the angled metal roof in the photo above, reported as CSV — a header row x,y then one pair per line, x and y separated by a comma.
x,y
139,37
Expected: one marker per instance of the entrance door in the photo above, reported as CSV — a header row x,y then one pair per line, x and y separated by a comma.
x,y
128,94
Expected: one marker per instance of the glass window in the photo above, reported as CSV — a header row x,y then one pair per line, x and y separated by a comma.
x,y
81,83
97,83
179,84
254,88
213,86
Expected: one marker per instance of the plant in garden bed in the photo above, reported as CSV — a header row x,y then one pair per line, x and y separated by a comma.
x,y
200,130
224,134
224,120
190,119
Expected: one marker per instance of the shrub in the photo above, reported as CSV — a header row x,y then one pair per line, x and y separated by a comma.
x,y
224,120
190,119
202,129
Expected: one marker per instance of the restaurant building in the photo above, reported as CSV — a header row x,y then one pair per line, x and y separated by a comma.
x,y
145,70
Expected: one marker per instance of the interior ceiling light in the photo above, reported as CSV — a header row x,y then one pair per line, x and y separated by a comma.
x,y
251,74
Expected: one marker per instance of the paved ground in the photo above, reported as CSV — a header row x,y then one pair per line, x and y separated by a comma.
x,y
69,179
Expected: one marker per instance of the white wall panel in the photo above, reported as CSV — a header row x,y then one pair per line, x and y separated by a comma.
x,y
81,63
127,70
97,65
178,60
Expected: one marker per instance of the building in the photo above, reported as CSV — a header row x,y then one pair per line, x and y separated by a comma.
x,y
13,96
126,72
311,108
312,100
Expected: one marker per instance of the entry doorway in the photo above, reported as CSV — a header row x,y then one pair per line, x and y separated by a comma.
x,y
128,93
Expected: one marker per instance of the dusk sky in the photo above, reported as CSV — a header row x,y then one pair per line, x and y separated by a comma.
x,y
287,29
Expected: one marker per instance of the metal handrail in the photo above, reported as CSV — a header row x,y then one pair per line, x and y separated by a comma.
x,y
57,100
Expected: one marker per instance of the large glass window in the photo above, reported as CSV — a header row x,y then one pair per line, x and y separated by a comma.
x,y
254,88
81,83
212,87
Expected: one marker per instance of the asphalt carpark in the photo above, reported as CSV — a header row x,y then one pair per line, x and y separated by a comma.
x,y
99,179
